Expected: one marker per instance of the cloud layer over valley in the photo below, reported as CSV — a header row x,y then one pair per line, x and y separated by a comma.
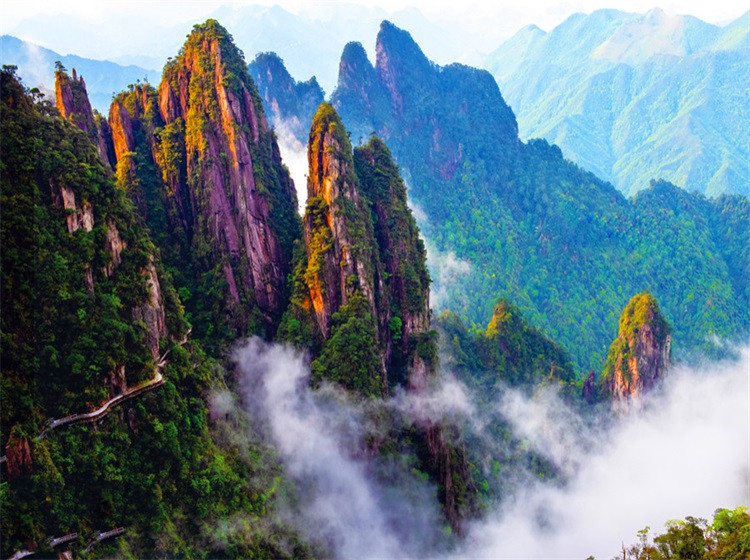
x,y
685,450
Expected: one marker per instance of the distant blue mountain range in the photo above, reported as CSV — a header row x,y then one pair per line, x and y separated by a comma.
x,y
36,66
635,97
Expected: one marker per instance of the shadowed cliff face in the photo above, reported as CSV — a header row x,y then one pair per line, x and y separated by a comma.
x,y
361,299
640,355
403,296
201,164
73,103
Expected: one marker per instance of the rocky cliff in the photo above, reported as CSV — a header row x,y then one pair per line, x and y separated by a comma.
x,y
72,101
73,104
340,276
640,355
362,292
338,226
198,158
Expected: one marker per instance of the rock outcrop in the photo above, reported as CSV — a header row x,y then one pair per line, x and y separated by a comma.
x,y
202,165
76,217
337,225
640,355
362,292
19,458
134,119
361,239
151,311
73,104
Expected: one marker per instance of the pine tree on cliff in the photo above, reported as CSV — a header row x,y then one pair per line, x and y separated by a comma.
x,y
640,355
361,292
202,165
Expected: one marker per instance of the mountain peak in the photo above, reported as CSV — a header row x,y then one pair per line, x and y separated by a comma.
x,y
210,29
233,172
354,53
655,15
531,28
289,105
396,43
329,154
639,356
72,101
270,58
354,62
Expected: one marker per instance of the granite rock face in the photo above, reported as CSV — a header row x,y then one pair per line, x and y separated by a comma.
x,y
73,103
362,284
229,172
640,355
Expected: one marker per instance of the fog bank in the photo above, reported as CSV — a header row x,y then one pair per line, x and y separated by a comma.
x,y
685,450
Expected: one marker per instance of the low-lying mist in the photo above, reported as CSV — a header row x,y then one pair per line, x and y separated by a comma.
x,y
684,450
294,155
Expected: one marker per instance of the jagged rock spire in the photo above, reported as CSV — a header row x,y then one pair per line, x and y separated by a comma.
x,y
72,101
228,198
640,355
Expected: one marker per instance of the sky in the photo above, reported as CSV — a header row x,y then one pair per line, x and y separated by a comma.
x,y
510,15
145,33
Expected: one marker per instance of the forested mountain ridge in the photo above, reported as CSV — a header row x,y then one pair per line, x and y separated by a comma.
x,y
90,313
566,247
634,97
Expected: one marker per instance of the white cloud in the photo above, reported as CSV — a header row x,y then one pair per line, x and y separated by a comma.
x,y
319,435
444,266
685,451
294,156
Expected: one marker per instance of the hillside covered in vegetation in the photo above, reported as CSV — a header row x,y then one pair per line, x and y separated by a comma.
x,y
566,247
